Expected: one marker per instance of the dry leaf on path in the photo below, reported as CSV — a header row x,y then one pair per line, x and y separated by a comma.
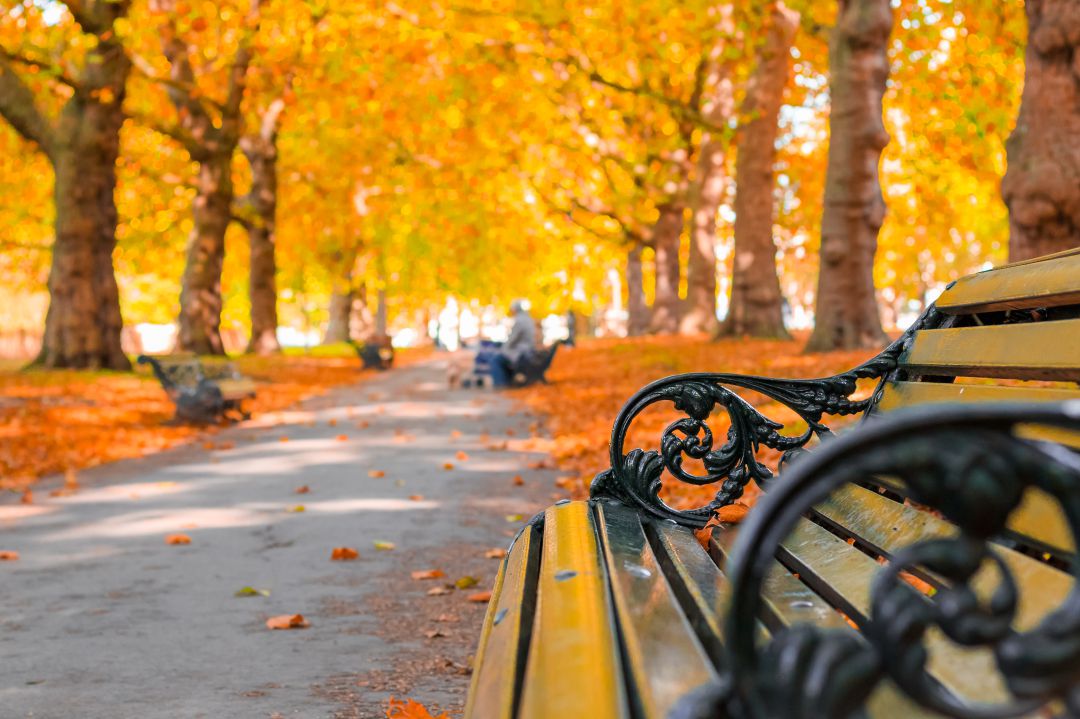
x,y
288,621
462,456
518,481
466,582
302,489
344,554
384,546
435,591
27,497
495,553
429,574
296,508
376,473
342,438
480,597
251,592
433,633
416,497
408,709
448,465
8,556
283,438
177,539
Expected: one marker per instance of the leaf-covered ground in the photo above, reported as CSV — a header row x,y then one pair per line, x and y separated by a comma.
x,y
63,421
590,383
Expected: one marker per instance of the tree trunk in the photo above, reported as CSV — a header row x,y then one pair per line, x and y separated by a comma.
x,y
847,312
341,308
83,323
637,310
362,323
200,293
1042,185
666,235
756,301
381,317
261,152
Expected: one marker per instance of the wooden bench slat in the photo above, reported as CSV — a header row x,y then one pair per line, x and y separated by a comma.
x,y
908,394
500,659
573,668
662,654
236,388
1036,350
888,526
843,575
1043,283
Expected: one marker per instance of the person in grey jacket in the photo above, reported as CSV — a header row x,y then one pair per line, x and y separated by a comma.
x,y
521,342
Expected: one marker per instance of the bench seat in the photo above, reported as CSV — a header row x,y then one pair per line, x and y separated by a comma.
x,y
959,492
203,391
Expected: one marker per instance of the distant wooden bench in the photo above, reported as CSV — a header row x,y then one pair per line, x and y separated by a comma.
x,y
922,564
203,392
375,355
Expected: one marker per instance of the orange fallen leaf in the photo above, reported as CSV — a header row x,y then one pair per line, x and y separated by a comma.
x,y
416,497
461,456
302,489
226,445
433,633
363,424
448,465
8,556
177,539
408,709
344,554
376,473
288,621
27,497
208,445
480,597
331,422
342,438
732,513
283,438
518,481
455,434
429,574
495,553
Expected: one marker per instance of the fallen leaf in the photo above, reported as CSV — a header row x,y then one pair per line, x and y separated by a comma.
x,y
344,554
302,489
466,582
363,424
331,422
429,574
252,592
177,539
435,591
495,553
376,473
732,513
416,497
283,438
447,618
563,482
480,597
462,456
342,438
385,546
433,633
448,465
288,621
455,434
518,481
297,508
408,709
514,517
226,445
27,497
8,556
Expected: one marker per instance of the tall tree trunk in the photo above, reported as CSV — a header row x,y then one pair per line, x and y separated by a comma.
x,y
83,323
756,301
200,292
1042,185
847,312
637,310
362,323
381,314
709,189
262,154
338,329
666,235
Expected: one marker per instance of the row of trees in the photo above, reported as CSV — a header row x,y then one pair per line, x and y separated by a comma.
x,y
417,149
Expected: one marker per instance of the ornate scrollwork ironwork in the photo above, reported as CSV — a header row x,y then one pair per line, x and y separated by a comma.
x,y
966,463
635,477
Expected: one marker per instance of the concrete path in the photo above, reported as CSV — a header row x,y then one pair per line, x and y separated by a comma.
x,y
100,618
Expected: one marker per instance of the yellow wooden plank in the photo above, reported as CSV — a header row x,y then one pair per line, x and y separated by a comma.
x,y
662,653
1036,350
1047,282
573,669
499,658
909,394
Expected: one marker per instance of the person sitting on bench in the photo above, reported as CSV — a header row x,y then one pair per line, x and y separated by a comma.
x,y
521,342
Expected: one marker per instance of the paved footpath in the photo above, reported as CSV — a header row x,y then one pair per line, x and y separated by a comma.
x,y
100,618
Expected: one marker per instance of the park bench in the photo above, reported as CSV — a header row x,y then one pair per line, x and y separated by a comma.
x,y
203,392
922,564
375,355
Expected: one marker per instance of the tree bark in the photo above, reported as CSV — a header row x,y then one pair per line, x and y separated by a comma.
x,y
262,154
83,323
200,292
665,238
1042,185
338,329
637,310
847,312
756,301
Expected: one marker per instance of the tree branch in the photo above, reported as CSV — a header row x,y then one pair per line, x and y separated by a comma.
x,y
19,107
